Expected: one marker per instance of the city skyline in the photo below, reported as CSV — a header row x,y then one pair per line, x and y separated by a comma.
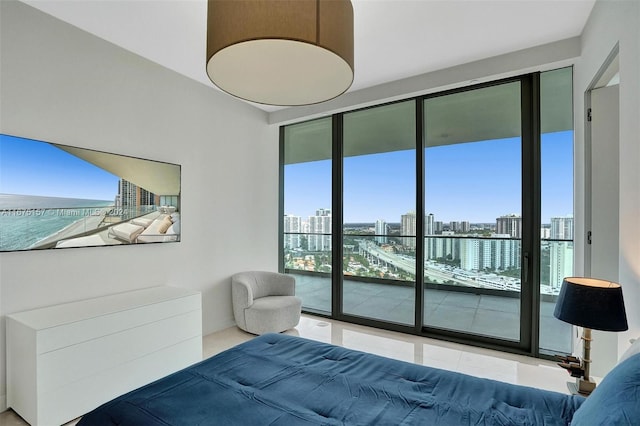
x,y
483,185
431,223
492,262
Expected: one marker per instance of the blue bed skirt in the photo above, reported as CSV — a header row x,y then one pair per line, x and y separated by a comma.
x,y
284,380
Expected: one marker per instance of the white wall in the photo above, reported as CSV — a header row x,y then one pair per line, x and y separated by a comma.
x,y
60,84
612,22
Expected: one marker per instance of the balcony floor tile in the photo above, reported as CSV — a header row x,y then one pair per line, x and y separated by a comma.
x,y
487,315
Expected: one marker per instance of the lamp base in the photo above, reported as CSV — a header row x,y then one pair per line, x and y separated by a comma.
x,y
581,387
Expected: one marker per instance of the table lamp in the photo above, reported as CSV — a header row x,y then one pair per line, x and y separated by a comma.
x,y
591,304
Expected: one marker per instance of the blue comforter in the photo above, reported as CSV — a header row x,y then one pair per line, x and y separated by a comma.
x,y
283,380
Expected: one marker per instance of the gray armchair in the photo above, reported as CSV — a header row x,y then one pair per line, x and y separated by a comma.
x,y
265,302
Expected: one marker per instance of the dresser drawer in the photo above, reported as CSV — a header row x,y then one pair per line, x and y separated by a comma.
x,y
53,338
65,360
90,392
70,364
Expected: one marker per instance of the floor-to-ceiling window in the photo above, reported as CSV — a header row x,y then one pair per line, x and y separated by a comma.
x,y
306,234
379,213
447,214
473,201
556,234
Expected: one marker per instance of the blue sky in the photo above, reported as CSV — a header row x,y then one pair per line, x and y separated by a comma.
x,y
476,181
29,167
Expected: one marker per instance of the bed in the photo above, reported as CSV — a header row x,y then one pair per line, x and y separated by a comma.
x,y
278,379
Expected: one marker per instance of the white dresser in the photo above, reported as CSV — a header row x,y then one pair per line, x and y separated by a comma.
x,y
65,360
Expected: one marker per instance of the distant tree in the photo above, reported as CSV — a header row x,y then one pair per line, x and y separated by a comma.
x,y
511,272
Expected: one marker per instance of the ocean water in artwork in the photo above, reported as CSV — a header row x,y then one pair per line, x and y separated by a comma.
x,y
26,220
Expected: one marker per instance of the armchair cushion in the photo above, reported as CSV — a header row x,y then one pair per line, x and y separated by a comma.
x,y
272,314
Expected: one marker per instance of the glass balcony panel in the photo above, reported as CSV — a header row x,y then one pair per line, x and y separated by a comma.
x,y
379,278
556,262
484,302
311,268
43,227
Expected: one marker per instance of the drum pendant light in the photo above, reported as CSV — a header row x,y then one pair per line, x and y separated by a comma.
x,y
281,52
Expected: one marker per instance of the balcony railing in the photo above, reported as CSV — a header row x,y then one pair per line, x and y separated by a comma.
x,y
368,273
36,228
456,262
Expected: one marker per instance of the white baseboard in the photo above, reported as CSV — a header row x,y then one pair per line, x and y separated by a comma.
x,y
3,403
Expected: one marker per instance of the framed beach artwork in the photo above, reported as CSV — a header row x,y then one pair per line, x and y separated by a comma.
x,y
57,196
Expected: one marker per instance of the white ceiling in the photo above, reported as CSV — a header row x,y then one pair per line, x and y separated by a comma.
x,y
394,39
154,176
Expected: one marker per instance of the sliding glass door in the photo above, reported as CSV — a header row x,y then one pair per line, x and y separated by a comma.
x,y
447,215
379,213
473,206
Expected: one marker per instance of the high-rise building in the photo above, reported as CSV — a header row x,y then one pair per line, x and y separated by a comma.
x,y
430,242
381,231
470,254
438,227
561,228
462,227
131,195
509,224
500,252
465,227
408,229
292,230
561,263
320,231
146,198
545,233
505,252
445,248
560,252
126,194
429,225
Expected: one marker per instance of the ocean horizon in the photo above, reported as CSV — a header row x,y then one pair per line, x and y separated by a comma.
x,y
27,219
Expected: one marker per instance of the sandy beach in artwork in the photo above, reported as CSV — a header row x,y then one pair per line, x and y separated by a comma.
x,y
87,223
